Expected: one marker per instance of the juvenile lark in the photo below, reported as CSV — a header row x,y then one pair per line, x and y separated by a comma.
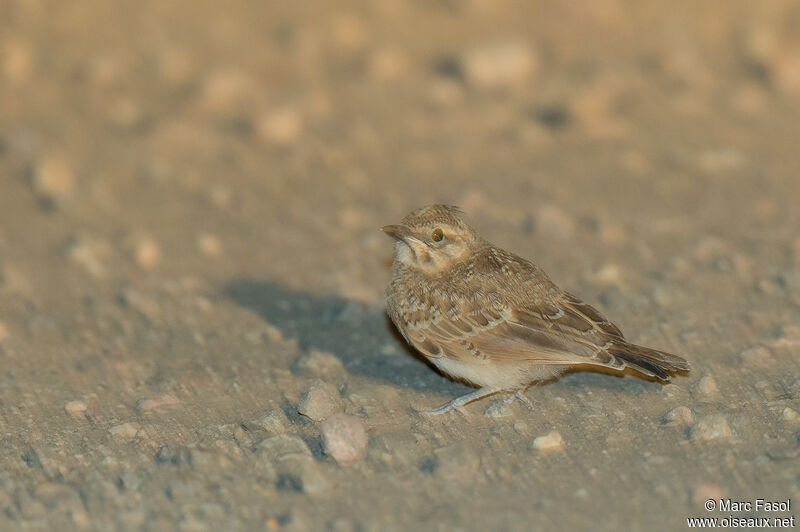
x,y
488,317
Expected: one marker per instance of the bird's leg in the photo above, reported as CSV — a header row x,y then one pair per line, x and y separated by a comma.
x,y
464,399
521,397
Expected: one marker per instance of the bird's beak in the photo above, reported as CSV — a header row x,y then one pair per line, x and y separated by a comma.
x,y
403,234
399,232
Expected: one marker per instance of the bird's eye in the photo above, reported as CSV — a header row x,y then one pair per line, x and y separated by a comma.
x,y
437,235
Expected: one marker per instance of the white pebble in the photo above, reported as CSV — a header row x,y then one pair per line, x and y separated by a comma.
x,y
320,402
499,65
125,430
345,438
681,416
76,409
550,442
280,127
712,427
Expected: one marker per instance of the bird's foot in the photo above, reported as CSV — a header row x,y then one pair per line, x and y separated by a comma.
x,y
520,396
459,402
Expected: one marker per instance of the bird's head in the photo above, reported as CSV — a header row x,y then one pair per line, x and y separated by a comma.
x,y
432,238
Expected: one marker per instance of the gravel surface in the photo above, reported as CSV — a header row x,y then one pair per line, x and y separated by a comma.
x,y
192,333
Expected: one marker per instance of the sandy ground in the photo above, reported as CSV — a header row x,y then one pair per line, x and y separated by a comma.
x,y
192,272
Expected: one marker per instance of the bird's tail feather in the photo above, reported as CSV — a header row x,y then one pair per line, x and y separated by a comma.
x,y
648,361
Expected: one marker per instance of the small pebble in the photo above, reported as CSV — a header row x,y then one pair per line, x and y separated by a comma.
x,y
157,404
550,442
498,409
755,356
706,387
280,127
209,245
320,402
710,428
345,438
76,409
791,416
125,430
147,254
681,416
499,65
53,178
321,364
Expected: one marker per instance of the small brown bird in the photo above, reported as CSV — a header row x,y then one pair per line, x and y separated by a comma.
x,y
495,320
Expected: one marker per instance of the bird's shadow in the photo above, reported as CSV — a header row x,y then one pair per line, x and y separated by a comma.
x,y
360,335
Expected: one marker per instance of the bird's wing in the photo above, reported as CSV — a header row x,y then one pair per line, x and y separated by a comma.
x,y
563,331
543,333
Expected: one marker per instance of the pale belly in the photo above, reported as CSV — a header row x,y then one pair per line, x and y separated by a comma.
x,y
493,375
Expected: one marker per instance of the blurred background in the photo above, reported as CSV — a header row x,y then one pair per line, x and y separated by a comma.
x,y
190,203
